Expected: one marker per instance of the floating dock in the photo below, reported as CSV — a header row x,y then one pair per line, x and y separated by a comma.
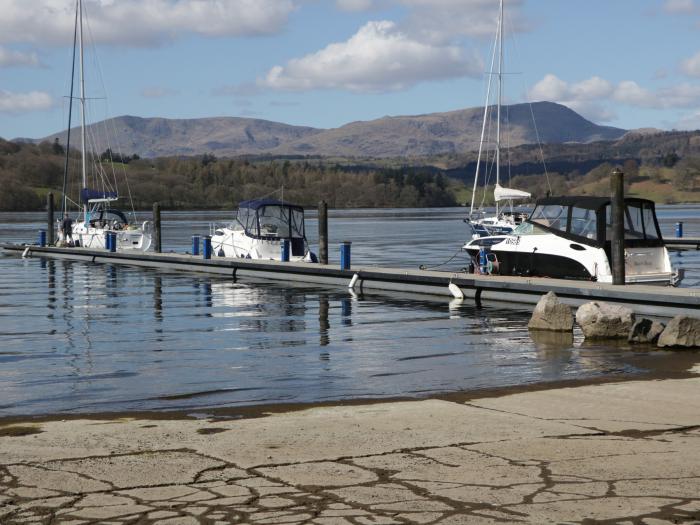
x,y
682,243
643,299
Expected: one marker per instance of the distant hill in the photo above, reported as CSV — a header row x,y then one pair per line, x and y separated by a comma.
x,y
420,135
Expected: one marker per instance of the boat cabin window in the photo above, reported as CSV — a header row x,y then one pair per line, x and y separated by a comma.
x,y
528,228
297,223
553,216
274,221
247,218
639,222
584,222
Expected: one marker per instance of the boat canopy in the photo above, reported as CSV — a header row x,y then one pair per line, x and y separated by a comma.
x,y
89,195
509,194
271,219
588,220
254,204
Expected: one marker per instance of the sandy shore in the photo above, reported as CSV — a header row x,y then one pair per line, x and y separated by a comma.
x,y
625,452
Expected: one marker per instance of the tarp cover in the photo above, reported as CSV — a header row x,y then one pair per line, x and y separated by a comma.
x,y
87,195
506,194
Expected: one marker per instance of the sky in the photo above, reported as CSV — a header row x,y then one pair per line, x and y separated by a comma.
x,y
324,63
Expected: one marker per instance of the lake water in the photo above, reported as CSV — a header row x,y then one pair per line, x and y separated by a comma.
x,y
76,337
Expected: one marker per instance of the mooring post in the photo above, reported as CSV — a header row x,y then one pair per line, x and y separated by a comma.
x,y
156,228
50,227
617,245
323,232
679,229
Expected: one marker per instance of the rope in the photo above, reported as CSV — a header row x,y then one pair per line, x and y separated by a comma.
x,y
424,267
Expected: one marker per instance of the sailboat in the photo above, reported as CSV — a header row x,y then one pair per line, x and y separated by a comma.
x,y
98,216
504,220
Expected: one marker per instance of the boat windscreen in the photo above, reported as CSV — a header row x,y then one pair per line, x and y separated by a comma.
x,y
274,221
553,216
246,217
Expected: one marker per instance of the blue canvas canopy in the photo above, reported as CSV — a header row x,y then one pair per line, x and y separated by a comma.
x,y
87,195
254,204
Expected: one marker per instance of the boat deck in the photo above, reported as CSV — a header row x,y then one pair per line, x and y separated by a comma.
x,y
644,299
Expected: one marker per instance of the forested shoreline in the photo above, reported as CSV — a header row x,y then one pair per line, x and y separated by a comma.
x,y
29,171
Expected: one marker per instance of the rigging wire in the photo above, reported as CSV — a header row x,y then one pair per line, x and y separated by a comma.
x,y
516,50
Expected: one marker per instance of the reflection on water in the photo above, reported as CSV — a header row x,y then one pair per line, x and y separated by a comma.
x,y
79,337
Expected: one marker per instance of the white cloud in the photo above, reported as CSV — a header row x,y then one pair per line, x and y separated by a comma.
x,y
553,88
691,66
630,93
10,57
679,6
140,22
443,20
24,102
589,97
378,58
354,5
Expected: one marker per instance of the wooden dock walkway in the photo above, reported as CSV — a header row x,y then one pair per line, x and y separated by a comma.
x,y
643,299
682,243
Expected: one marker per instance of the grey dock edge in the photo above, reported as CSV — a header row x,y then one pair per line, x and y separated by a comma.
x,y
650,300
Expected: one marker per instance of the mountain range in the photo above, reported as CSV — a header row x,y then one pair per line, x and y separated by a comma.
x,y
398,136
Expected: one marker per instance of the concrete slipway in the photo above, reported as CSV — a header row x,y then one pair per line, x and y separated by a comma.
x,y
623,453
651,300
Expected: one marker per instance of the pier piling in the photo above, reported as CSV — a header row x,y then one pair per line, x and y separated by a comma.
x,y
156,228
323,232
50,226
617,194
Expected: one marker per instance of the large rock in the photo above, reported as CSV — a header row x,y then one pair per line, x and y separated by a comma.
x,y
600,320
645,331
681,331
550,314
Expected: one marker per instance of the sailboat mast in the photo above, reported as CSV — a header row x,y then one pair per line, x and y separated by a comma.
x,y
500,95
82,103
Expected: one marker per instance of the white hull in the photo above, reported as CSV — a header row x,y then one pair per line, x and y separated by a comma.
x,y
550,255
227,242
137,239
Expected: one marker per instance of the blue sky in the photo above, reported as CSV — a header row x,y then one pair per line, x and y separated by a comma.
x,y
324,63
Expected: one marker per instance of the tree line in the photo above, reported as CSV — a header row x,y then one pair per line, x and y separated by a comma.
x,y
28,172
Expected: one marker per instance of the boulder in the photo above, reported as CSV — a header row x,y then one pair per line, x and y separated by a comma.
x,y
645,331
600,320
550,314
681,331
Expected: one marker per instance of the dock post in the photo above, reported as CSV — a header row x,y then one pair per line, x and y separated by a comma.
x,y
108,239
206,247
112,242
50,227
323,232
345,255
156,228
679,229
195,245
617,245
284,256
42,238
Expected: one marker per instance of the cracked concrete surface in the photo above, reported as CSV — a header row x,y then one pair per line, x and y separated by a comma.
x,y
625,453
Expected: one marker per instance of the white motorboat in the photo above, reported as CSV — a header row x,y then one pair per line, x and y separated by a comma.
x,y
260,230
503,221
570,238
98,217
